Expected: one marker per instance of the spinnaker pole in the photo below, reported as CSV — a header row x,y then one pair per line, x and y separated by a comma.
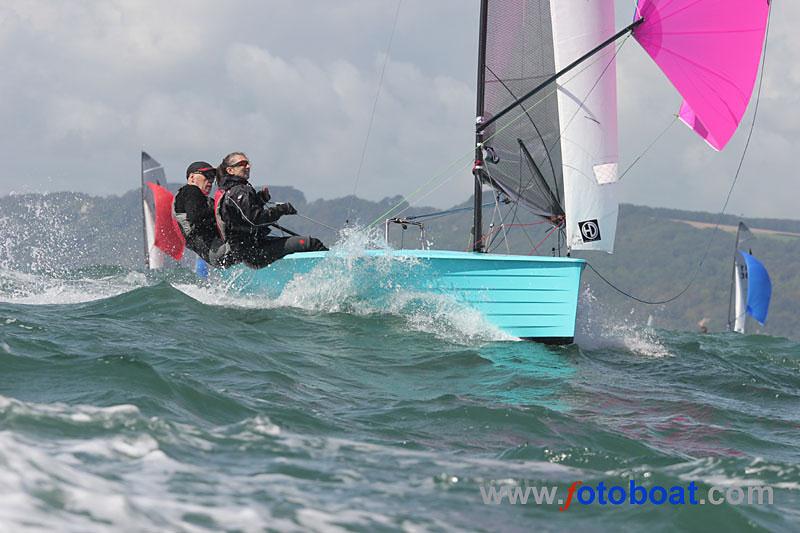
x,y
483,125
477,170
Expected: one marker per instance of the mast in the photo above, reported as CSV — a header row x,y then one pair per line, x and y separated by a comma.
x,y
144,215
477,170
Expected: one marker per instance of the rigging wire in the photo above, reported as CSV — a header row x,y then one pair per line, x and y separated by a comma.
x,y
649,147
498,211
563,131
588,94
317,222
448,177
535,127
498,228
727,198
375,101
491,225
469,155
545,238
439,214
418,190
647,302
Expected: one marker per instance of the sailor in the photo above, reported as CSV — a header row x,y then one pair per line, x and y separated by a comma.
x,y
194,211
244,217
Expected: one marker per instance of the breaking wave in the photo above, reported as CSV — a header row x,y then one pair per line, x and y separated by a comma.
x,y
347,281
597,327
67,288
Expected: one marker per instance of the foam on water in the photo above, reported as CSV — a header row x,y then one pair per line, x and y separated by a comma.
x,y
77,413
598,328
44,289
347,281
39,252
71,484
120,477
68,476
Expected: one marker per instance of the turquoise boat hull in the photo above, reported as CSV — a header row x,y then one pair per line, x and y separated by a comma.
x,y
528,297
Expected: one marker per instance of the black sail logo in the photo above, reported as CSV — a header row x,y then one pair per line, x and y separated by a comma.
x,y
590,230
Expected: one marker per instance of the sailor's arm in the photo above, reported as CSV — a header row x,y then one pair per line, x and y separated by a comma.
x,y
257,213
271,213
197,208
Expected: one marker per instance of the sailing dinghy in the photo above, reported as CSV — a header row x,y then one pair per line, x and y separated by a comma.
x,y
546,138
155,249
751,287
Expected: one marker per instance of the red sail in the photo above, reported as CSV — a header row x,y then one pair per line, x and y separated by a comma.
x,y
169,238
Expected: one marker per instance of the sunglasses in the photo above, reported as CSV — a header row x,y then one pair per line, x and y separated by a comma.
x,y
242,163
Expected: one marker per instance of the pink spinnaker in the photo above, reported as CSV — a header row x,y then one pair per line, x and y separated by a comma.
x,y
710,51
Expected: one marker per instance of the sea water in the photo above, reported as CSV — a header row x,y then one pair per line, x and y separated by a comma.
x,y
159,402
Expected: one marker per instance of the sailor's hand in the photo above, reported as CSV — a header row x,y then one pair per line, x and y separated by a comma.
x,y
286,209
264,195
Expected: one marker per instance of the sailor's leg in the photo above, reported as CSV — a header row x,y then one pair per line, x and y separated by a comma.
x,y
220,254
271,249
278,247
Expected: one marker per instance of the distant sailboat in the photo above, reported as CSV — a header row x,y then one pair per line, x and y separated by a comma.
x,y
152,172
751,287
162,237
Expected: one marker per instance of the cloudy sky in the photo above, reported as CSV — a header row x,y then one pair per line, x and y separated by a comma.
x,y
87,84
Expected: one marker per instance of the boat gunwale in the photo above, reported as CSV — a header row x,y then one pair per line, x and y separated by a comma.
x,y
439,255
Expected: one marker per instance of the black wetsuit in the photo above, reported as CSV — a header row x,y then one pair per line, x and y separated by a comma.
x,y
194,212
245,221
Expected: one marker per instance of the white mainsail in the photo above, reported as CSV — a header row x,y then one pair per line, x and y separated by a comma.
x,y
740,297
587,110
737,314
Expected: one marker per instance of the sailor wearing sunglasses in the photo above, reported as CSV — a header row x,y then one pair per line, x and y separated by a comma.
x,y
193,210
244,218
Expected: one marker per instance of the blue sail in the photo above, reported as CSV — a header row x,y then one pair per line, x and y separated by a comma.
x,y
759,288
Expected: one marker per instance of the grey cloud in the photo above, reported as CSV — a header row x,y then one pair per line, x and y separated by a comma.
x,y
88,84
